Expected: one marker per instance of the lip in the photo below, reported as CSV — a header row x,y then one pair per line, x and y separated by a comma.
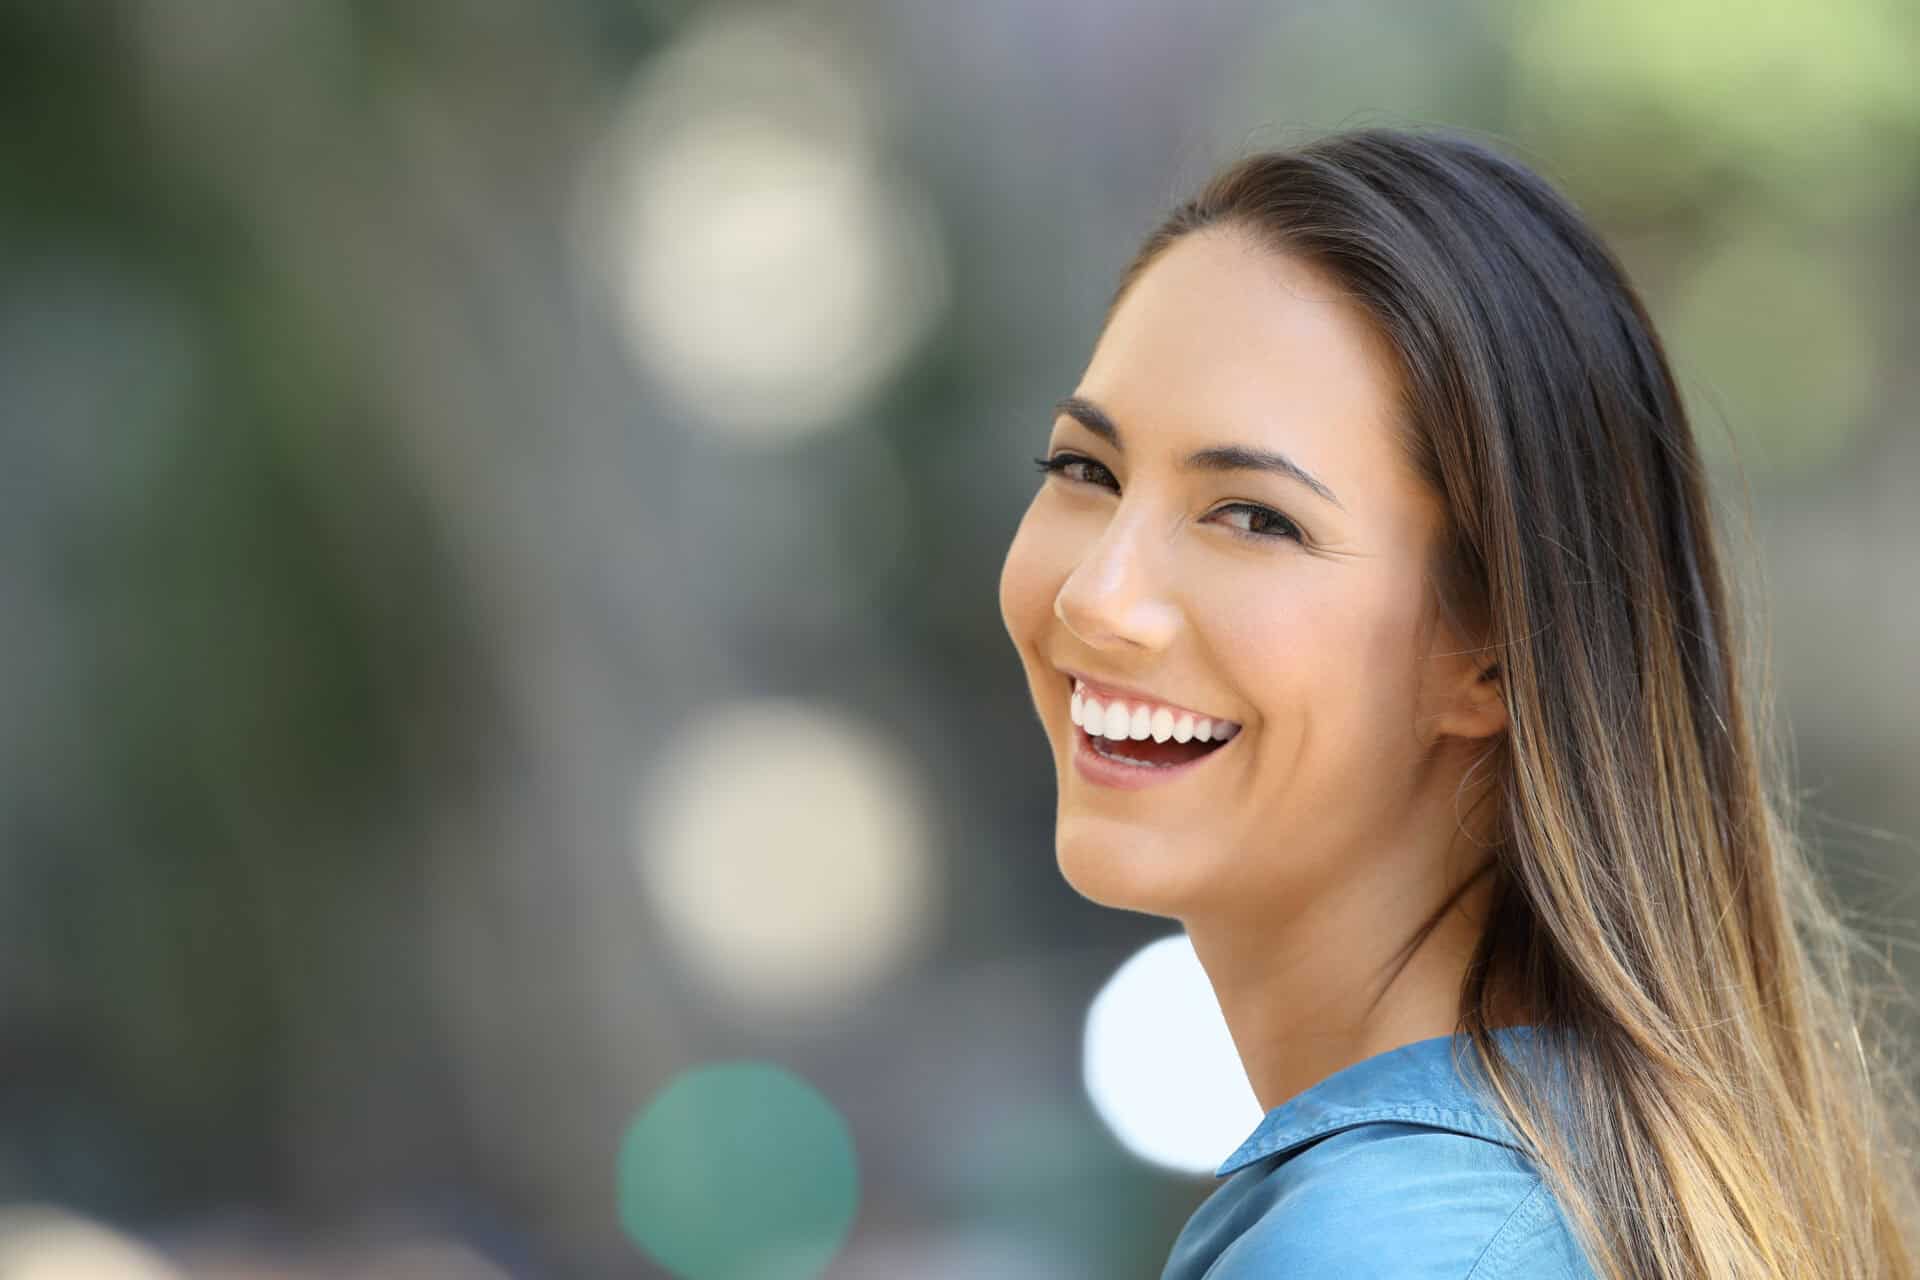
x,y
1106,692
1102,772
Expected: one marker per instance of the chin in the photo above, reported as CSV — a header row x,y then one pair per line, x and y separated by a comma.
x,y
1118,866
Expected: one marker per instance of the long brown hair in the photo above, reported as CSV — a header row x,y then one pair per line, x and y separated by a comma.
x,y
1732,1104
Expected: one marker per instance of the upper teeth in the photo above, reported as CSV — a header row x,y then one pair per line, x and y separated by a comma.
x,y
1121,720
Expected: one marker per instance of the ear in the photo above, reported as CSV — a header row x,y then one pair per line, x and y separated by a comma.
x,y
1465,697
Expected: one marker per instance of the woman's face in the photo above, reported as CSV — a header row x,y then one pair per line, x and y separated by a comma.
x,y
1244,594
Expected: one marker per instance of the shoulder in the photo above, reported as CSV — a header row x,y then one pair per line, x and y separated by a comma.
x,y
1407,1202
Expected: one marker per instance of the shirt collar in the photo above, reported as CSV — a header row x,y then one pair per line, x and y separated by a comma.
x,y
1416,1082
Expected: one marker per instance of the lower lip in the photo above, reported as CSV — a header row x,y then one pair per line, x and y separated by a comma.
x,y
1101,771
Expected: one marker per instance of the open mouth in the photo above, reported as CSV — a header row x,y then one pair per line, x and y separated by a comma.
x,y
1145,753
1145,735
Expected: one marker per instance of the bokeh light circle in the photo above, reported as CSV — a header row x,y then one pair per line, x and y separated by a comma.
x,y
1771,331
41,1242
769,270
784,848
1160,1065
739,1171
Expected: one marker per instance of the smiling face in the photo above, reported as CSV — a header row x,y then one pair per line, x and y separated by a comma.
x,y
1300,613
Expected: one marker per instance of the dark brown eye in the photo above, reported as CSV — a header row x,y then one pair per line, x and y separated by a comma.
x,y
1263,522
1069,465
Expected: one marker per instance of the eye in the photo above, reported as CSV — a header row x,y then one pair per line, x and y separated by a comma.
x,y
1066,463
1262,522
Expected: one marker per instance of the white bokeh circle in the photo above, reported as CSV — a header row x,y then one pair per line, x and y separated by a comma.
x,y
44,1242
768,270
783,847
1160,1065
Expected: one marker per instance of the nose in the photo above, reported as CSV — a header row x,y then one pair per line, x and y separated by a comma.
x,y
1119,598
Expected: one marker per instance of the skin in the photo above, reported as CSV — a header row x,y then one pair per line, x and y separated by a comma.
x,y
1302,857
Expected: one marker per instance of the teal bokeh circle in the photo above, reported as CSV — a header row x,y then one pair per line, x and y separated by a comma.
x,y
739,1171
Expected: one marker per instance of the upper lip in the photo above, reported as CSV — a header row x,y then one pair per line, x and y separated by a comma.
x,y
1107,689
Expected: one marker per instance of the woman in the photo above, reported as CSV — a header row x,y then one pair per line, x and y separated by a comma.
x,y
1371,604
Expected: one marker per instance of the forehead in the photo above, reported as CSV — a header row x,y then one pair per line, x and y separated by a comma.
x,y
1223,341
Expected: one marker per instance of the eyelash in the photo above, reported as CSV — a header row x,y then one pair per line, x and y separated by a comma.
x,y
1059,462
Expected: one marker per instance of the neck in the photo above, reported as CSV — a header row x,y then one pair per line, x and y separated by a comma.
x,y
1310,993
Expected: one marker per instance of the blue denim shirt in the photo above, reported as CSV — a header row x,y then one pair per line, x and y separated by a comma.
x,y
1389,1169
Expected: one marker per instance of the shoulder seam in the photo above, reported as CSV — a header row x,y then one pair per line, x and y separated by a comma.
x,y
1539,1184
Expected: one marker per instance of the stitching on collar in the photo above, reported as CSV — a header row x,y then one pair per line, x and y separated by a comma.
x,y
1265,1143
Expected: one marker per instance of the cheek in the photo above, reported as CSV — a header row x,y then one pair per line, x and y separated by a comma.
x,y
1325,654
1037,563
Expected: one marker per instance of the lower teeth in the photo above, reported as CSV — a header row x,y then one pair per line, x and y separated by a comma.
x,y
1102,745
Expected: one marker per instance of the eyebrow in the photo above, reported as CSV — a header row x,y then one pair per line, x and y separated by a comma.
x,y
1221,457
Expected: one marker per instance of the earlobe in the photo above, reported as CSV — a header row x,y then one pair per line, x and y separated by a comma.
x,y
1464,694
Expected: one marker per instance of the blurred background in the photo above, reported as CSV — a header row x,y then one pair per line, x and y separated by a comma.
x,y
507,741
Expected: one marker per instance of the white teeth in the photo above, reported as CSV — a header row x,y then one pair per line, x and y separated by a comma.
x,y
1120,722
